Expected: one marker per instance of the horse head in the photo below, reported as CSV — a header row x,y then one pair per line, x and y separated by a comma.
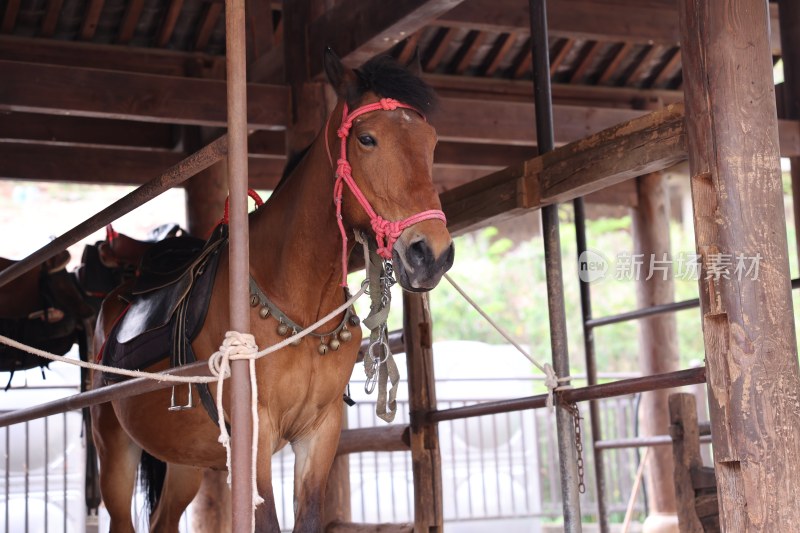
x,y
386,145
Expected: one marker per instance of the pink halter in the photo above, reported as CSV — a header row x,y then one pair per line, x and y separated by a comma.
x,y
386,232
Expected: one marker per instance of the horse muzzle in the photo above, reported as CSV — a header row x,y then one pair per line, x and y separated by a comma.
x,y
417,266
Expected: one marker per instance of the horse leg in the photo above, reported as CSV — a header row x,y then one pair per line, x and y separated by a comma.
x,y
266,516
119,460
180,487
314,456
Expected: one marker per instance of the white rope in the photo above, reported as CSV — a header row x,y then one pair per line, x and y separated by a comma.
x,y
551,380
155,376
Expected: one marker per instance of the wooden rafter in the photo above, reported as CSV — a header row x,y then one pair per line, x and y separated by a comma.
x,y
612,67
90,19
50,20
669,70
208,22
644,62
469,48
585,62
439,46
498,53
602,20
409,47
561,55
523,61
168,24
360,29
10,16
129,21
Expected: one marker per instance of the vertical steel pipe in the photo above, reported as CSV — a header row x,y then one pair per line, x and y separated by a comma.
x,y
241,490
555,286
591,366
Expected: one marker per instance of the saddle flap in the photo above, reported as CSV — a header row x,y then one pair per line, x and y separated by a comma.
x,y
154,309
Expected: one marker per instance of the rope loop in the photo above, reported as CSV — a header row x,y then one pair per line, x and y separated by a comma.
x,y
344,129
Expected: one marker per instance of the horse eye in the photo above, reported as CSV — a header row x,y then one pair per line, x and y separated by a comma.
x,y
367,140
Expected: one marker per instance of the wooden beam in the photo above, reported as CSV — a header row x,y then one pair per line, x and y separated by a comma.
x,y
68,130
121,166
130,20
497,54
348,527
503,122
441,41
208,21
124,95
392,438
360,29
103,56
602,20
466,54
612,67
645,144
686,458
50,20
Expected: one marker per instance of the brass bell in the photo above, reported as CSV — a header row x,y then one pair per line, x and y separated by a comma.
x,y
334,344
345,335
297,341
263,312
254,300
322,348
283,329
354,320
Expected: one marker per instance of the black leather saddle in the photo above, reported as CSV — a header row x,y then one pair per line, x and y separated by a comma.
x,y
168,306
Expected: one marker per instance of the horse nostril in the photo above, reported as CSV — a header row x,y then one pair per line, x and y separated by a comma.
x,y
419,253
451,255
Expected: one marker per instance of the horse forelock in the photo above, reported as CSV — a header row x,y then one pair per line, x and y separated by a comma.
x,y
387,78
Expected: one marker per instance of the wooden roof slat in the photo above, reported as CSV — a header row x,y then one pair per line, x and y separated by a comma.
x,y
669,70
612,67
259,37
168,24
466,54
409,47
129,21
642,64
90,20
439,46
523,61
361,29
10,16
561,55
500,49
50,20
207,24
585,62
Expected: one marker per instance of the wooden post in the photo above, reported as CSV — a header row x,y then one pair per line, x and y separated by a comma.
x,y
657,341
425,457
748,324
789,17
689,466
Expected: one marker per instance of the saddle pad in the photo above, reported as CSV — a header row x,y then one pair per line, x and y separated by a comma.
x,y
144,335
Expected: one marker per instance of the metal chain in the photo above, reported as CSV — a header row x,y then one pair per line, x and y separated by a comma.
x,y
576,417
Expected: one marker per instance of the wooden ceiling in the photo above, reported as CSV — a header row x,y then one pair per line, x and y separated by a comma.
x,y
104,90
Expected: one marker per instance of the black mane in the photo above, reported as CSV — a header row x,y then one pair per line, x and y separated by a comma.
x,y
384,76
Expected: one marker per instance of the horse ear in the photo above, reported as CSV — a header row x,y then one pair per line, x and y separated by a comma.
x,y
341,78
415,64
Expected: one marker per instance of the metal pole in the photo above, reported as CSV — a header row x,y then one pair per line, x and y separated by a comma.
x,y
239,268
591,369
555,286
582,394
202,159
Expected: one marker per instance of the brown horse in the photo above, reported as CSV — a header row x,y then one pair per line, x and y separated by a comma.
x,y
296,259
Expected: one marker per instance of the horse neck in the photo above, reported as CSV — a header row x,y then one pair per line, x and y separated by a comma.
x,y
295,246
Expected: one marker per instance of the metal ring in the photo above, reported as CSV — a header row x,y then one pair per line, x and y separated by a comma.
x,y
386,351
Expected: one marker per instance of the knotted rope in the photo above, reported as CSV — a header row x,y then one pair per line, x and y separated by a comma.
x,y
551,379
386,231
